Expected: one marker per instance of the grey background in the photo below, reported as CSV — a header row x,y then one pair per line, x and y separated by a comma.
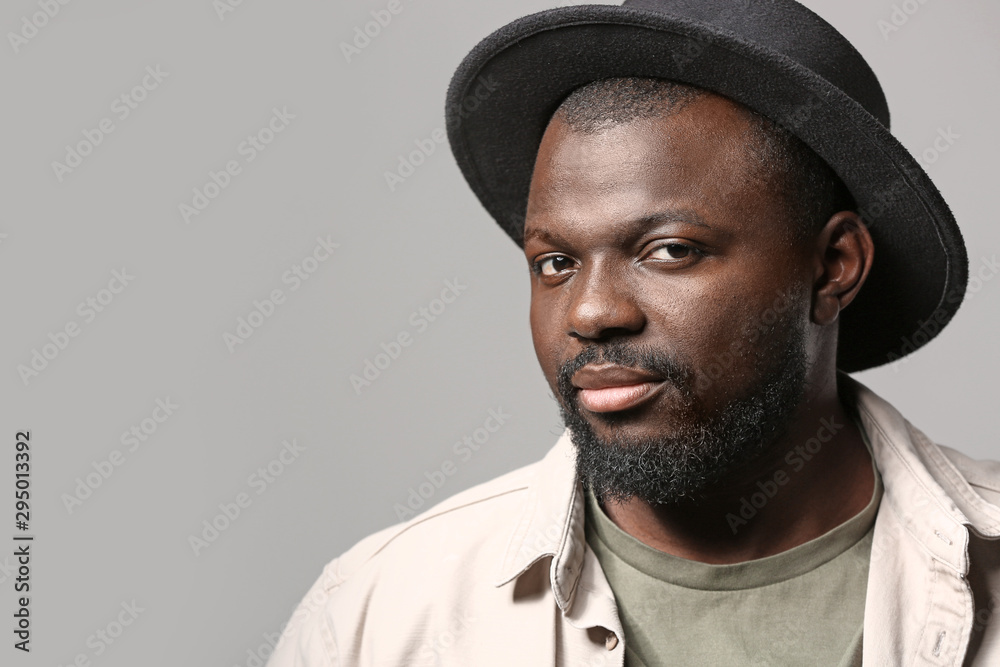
x,y
323,176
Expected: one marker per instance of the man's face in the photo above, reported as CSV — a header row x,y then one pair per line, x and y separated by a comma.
x,y
669,302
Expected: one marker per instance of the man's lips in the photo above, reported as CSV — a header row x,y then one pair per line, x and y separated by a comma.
x,y
613,388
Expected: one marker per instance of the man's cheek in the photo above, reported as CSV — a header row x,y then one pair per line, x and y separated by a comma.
x,y
725,353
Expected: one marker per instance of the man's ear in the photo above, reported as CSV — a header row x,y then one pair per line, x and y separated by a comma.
x,y
842,258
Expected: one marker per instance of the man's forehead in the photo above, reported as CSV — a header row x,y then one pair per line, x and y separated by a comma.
x,y
628,169
710,123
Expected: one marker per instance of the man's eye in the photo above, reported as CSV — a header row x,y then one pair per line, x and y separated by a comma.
x,y
673,251
550,266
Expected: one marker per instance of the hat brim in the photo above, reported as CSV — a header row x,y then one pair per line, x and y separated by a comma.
x,y
505,91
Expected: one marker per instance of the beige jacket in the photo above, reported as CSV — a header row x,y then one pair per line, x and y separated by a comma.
x,y
501,574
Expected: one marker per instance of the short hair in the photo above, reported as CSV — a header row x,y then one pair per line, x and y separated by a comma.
x,y
811,190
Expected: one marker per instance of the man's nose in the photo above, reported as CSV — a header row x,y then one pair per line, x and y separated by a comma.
x,y
602,305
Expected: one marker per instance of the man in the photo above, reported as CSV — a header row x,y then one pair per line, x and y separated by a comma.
x,y
716,220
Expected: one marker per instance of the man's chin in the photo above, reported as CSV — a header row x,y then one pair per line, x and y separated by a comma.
x,y
638,460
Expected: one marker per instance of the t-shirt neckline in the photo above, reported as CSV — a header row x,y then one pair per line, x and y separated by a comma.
x,y
737,576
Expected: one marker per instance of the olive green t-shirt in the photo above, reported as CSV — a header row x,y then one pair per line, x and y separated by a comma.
x,y
804,606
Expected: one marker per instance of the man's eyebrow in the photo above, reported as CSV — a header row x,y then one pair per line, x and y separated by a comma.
x,y
674,215
540,234
686,216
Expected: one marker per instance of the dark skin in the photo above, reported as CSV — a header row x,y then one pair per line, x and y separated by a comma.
x,y
660,232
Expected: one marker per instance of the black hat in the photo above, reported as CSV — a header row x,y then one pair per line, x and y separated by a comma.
x,y
773,56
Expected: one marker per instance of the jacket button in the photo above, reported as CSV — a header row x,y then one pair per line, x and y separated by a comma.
x,y
611,641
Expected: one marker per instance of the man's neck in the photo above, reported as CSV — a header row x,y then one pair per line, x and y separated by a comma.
x,y
815,478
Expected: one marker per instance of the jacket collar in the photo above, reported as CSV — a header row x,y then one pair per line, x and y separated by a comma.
x,y
934,502
551,524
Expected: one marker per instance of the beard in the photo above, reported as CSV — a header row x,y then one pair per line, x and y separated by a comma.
x,y
705,450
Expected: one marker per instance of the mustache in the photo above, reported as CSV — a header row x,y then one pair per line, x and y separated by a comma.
x,y
652,360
